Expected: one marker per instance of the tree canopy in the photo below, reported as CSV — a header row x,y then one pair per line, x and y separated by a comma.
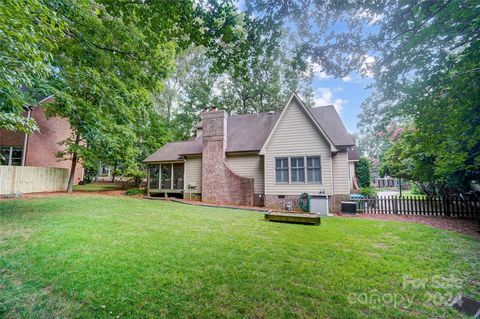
x,y
117,68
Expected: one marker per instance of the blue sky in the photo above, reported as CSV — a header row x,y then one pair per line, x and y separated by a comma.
x,y
346,94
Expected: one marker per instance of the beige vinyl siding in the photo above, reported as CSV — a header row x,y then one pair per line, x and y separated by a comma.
x,y
193,172
295,135
341,173
248,166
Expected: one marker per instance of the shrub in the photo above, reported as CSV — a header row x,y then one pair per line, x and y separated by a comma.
x,y
362,170
368,191
135,191
136,174
415,189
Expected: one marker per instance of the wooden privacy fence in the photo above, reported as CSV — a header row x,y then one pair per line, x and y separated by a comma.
x,y
427,206
29,179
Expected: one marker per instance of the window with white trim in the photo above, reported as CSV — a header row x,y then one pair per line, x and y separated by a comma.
x,y
314,169
10,155
281,169
297,169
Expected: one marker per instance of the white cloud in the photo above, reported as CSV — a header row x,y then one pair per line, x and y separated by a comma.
x,y
240,4
346,78
317,69
324,96
367,66
368,15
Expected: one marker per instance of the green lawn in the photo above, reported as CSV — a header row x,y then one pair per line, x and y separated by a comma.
x,y
115,257
94,187
410,194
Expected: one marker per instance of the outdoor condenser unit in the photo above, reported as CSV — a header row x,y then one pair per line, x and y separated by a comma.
x,y
349,207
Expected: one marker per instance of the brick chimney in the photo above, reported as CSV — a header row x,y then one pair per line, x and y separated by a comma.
x,y
215,131
220,184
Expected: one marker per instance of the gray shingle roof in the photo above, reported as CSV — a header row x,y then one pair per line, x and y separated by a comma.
x,y
172,151
249,132
329,120
353,153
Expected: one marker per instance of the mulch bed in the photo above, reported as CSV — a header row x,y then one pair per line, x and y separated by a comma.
x,y
465,226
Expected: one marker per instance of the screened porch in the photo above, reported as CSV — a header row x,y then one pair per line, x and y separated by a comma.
x,y
166,178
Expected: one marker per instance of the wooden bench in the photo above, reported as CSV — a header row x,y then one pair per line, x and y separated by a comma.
x,y
295,218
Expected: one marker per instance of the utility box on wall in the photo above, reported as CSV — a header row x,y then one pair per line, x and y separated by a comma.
x,y
319,204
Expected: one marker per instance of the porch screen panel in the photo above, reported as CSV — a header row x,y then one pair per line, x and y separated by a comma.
x,y
154,176
178,176
166,171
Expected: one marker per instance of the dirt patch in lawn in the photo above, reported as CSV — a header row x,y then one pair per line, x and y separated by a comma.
x,y
465,226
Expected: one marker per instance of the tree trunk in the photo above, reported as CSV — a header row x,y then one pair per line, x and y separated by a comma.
x,y
113,171
73,167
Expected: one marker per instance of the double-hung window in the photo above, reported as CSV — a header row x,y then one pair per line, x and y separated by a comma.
x,y
314,171
297,169
10,155
281,169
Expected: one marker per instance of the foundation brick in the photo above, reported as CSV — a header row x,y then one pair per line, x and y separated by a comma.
x,y
274,202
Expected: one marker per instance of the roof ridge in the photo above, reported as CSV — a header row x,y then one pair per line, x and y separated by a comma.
x,y
246,114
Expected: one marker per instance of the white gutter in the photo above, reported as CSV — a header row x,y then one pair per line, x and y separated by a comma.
x,y
25,139
333,181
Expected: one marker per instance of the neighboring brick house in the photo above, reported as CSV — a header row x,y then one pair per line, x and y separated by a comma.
x,y
38,148
261,159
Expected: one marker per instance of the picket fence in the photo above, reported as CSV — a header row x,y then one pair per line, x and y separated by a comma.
x,y
454,206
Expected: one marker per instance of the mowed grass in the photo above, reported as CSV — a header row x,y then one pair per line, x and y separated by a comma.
x,y
115,257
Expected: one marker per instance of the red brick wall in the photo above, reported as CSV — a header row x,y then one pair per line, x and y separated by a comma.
x,y
9,138
220,184
43,145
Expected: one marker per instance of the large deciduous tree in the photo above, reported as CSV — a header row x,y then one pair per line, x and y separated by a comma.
x,y
425,59
265,82
103,60
28,30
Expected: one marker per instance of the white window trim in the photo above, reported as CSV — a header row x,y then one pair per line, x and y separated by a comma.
x,y
289,157
306,170
10,154
275,169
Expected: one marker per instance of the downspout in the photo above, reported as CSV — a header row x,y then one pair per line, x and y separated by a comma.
x,y
25,139
333,183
